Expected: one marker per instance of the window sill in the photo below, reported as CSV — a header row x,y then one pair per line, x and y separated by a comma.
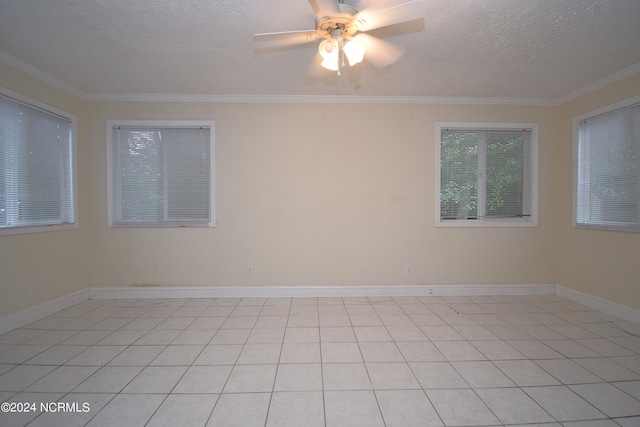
x,y
30,229
609,227
486,224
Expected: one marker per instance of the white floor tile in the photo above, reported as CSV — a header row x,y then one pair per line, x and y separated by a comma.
x,y
194,336
525,373
271,321
240,410
380,352
513,406
158,337
219,355
632,388
563,404
337,334
302,335
345,376
407,408
156,379
203,379
256,354
497,350
127,410
136,355
567,371
608,399
300,353
22,353
341,353
96,355
266,336
109,379
251,379
230,336
299,377
191,410
22,376
534,349
391,376
63,379
437,375
372,333
483,360
458,350
608,370
461,408
406,333
352,408
294,409
177,355
420,351
482,374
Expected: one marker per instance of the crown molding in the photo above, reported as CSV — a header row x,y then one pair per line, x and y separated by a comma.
x,y
39,74
36,72
314,99
599,84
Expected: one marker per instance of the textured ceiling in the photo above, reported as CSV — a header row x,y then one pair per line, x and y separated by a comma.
x,y
463,48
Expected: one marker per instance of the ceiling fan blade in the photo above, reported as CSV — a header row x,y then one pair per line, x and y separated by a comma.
x,y
377,51
287,37
326,7
371,18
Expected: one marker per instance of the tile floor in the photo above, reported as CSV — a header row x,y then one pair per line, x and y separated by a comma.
x,y
304,362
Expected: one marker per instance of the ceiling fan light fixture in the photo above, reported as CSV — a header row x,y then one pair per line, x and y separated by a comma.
x,y
354,52
330,54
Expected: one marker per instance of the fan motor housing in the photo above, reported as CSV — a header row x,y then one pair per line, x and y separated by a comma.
x,y
343,20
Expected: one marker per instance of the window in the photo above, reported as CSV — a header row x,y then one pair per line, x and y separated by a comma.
x,y
608,169
487,174
36,166
161,173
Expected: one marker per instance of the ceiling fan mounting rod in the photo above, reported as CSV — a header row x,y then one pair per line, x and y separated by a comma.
x,y
325,25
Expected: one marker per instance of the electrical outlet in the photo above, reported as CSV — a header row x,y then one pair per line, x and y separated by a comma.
x,y
408,269
249,270
33,287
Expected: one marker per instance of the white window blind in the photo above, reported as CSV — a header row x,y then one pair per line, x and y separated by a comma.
x,y
36,166
485,174
162,175
608,193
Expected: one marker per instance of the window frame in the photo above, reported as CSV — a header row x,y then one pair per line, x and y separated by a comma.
x,y
159,124
46,108
576,170
532,219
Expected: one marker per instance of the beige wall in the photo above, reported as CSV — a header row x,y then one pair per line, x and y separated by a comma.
x,y
320,194
57,261
600,263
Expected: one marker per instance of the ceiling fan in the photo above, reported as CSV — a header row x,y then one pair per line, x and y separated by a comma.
x,y
341,29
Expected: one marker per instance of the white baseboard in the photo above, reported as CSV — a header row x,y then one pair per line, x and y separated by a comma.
x,y
600,304
316,291
39,311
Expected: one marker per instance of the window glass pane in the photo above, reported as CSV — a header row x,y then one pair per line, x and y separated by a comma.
x,y
609,169
36,184
162,175
486,175
505,174
458,175
140,172
188,169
